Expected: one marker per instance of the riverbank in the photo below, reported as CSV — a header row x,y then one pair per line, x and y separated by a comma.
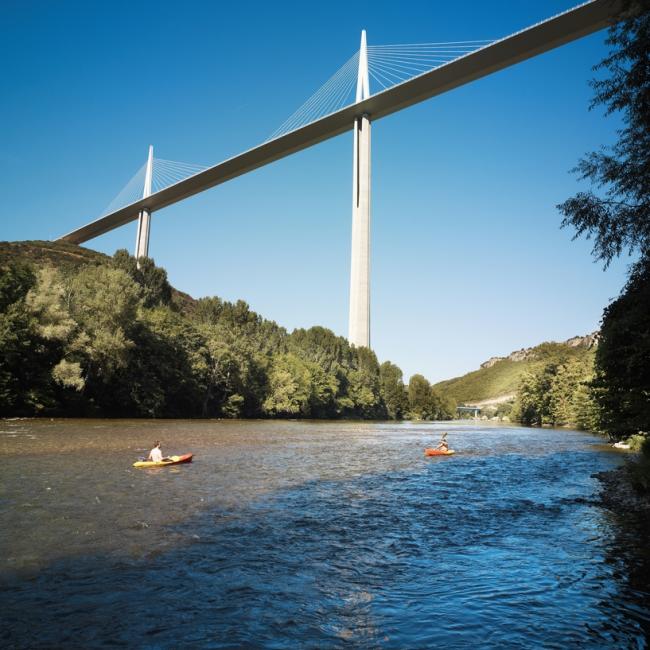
x,y
618,493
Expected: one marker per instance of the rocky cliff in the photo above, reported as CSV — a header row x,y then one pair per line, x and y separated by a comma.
x,y
525,354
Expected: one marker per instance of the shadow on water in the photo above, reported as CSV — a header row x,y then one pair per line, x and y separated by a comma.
x,y
476,551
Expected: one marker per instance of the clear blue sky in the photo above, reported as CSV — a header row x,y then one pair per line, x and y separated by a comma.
x,y
468,260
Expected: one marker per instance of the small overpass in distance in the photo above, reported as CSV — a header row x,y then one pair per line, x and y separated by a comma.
x,y
474,410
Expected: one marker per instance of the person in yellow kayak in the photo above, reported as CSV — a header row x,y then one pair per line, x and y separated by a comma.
x,y
155,455
443,445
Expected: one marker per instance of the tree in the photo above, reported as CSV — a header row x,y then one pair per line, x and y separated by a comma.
x,y
426,403
154,286
16,279
392,390
532,406
324,389
289,387
237,372
104,303
622,382
26,358
442,407
166,368
585,406
618,218
48,301
558,392
207,311
419,394
363,385
323,347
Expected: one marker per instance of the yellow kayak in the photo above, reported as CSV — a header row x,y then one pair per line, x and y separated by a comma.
x,y
172,460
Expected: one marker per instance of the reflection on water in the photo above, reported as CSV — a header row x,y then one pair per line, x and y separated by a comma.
x,y
305,534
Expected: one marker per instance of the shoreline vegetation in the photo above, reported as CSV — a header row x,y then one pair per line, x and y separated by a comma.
x,y
614,213
84,334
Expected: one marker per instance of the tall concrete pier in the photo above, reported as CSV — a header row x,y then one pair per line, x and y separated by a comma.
x,y
359,318
144,218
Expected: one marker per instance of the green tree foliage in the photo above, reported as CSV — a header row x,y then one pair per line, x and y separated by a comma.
x,y
363,385
426,403
104,338
26,358
152,280
622,380
392,390
618,217
166,370
350,375
239,373
290,387
419,394
558,393
332,353
444,407
49,302
298,388
16,279
104,304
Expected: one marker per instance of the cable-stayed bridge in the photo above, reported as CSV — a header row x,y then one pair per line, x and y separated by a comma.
x,y
404,75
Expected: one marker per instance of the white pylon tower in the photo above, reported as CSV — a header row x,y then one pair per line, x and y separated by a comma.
x,y
359,319
144,218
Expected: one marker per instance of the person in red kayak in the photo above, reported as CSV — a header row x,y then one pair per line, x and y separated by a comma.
x,y
155,455
443,446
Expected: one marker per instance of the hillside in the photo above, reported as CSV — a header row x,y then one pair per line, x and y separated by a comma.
x,y
66,256
85,334
498,378
228,360
59,254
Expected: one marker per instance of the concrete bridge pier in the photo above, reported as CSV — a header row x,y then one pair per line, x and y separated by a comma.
x,y
359,316
144,218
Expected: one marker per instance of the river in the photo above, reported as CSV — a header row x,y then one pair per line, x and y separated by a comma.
x,y
314,535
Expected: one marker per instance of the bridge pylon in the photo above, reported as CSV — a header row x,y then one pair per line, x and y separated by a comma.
x,y
144,218
359,317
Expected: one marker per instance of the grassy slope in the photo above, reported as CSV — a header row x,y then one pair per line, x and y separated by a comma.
x,y
63,255
57,254
504,376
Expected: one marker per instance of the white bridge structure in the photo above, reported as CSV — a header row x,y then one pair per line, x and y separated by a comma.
x,y
405,75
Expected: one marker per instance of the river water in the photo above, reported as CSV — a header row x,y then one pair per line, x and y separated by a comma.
x,y
313,535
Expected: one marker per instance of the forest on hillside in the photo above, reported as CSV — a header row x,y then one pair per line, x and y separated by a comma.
x,y
109,336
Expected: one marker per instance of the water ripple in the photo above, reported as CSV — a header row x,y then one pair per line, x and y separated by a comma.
x,y
317,543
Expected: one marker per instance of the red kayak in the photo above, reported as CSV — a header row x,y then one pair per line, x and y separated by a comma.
x,y
438,452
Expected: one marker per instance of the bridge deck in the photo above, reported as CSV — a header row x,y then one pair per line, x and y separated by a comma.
x,y
563,28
